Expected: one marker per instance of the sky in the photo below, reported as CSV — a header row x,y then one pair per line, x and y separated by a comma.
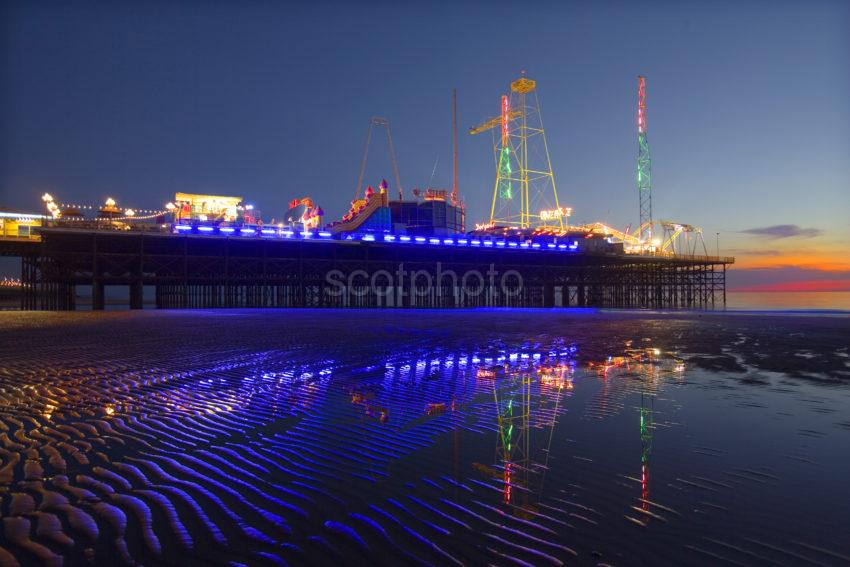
x,y
748,109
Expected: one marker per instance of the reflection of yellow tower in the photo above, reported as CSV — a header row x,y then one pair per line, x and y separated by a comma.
x,y
553,382
524,467
513,404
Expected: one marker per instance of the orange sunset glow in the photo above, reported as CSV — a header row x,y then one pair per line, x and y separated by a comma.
x,y
794,264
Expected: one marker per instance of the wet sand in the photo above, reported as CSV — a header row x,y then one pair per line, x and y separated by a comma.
x,y
379,437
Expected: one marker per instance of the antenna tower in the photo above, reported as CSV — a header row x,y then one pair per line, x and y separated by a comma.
x,y
644,168
454,148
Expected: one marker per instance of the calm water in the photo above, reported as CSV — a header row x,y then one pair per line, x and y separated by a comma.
x,y
823,300
461,437
117,300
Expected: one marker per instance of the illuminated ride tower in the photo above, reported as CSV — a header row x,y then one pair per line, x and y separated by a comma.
x,y
644,169
525,185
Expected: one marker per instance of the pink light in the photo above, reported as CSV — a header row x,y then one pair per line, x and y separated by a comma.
x,y
641,105
506,106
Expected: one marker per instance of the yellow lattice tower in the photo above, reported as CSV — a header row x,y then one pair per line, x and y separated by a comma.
x,y
525,185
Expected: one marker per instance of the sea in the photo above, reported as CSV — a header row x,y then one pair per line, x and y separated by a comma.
x,y
788,301
117,299
456,437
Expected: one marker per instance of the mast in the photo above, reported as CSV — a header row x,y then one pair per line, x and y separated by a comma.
x,y
454,148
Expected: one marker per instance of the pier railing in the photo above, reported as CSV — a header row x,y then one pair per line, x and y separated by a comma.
x,y
690,257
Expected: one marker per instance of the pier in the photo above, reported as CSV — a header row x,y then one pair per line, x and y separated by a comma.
x,y
197,271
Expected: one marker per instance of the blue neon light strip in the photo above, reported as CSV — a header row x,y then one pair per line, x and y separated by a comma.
x,y
247,231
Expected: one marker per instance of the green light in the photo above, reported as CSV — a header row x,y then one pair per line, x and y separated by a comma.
x,y
505,161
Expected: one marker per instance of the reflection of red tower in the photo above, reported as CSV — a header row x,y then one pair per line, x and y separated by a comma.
x,y
647,429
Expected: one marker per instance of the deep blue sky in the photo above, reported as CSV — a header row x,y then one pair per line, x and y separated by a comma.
x,y
749,103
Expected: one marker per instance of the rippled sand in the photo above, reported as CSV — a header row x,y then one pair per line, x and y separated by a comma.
x,y
396,438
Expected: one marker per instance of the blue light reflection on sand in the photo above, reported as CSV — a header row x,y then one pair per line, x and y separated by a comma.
x,y
477,436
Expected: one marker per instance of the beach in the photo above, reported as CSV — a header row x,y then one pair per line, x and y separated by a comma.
x,y
448,437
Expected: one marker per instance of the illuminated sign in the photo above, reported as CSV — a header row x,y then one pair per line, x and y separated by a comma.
x,y
552,214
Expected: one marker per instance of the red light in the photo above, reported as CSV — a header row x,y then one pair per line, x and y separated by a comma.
x,y
641,105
